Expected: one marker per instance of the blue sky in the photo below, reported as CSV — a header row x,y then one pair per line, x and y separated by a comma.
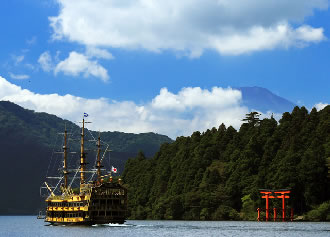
x,y
121,55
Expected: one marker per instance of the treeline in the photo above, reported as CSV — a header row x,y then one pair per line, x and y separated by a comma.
x,y
217,175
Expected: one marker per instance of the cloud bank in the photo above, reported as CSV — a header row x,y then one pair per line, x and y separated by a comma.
x,y
189,110
231,27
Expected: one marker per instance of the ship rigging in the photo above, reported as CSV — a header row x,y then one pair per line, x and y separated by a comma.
x,y
97,200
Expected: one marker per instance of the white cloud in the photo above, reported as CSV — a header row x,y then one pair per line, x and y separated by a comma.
x,y
307,33
320,106
98,53
269,114
31,41
200,109
17,58
19,76
78,63
45,61
189,26
258,38
189,98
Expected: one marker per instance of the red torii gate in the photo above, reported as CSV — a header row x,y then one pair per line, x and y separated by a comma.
x,y
282,194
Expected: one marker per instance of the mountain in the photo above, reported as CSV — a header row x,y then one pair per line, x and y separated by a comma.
x,y
263,100
27,141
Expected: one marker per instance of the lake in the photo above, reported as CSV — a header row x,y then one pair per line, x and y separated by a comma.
x,y
30,226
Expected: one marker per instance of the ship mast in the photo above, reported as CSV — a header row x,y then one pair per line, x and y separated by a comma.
x,y
98,164
65,154
82,156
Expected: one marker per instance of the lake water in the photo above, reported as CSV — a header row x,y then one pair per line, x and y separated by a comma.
x,y
30,226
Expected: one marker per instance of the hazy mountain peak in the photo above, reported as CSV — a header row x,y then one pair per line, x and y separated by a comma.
x,y
263,100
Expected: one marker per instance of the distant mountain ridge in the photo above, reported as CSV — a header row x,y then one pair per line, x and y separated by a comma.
x,y
263,100
26,144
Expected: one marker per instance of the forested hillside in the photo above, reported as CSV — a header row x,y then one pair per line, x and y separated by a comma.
x,y
27,140
217,175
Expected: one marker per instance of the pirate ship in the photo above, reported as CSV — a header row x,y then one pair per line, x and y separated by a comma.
x,y
97,201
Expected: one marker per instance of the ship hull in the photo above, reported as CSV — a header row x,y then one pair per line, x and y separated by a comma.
x,y
102,204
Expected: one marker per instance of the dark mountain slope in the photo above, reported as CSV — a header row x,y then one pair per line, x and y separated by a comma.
x,y
27,140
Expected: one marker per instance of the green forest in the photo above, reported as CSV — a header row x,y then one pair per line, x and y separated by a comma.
x,y
217,174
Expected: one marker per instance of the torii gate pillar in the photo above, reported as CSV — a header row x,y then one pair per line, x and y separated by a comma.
x,y
275,194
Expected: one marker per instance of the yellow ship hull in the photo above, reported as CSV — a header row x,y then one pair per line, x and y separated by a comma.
x,y
106,203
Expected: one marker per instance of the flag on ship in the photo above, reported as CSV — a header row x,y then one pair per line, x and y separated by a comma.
x,y
85,115
113,169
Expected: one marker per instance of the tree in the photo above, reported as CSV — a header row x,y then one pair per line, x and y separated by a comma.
x,y
252,118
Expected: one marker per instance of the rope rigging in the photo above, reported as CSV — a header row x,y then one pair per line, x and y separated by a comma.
x,y
56,166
